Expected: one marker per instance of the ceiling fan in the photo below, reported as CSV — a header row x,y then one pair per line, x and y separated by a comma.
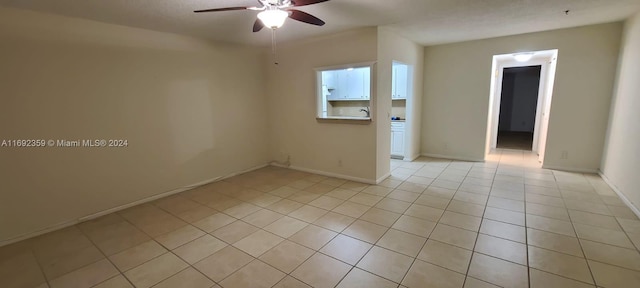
x,y
275,12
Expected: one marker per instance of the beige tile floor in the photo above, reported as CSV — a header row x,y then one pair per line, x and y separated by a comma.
x,y
434,223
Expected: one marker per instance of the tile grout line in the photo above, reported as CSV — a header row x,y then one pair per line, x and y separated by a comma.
x,y
445,208
257,258
372,244
167,249
593,278
151,239
576,233
479,227
526,228
427,237
388,228
335,236
437,222
160,244
434,227
44,276
120,273
287,239
627,234
526,234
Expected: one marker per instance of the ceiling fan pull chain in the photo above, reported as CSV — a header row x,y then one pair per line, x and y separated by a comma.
x,y
273,46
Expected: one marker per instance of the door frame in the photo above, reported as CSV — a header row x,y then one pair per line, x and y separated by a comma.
x,y
547,60
409,117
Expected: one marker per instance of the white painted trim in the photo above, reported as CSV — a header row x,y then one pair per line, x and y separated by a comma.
x,y
620,194
141,201
546,59
330,174
46,230
166,194
571,169
278,164
544,65
452,157
411,158
66,224
542,97
385,176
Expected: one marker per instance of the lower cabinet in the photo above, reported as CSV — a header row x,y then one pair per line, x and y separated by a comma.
x,y
397,139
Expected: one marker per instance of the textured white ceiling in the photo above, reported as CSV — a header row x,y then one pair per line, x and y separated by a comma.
x,y
425,21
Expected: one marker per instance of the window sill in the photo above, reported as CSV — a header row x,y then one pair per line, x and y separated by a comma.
x,y
348,99
345,120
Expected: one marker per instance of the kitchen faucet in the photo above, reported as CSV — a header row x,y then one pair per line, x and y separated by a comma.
x,y
366,110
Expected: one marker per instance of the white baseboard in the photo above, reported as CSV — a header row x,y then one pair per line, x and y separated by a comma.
x,y
571,169
452,157
142,201
278,164
329,174
46,230
69,223
383,177
620,194
411,158
168,193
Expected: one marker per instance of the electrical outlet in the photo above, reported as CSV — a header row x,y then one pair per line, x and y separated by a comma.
x,y
339,162
564,155
446,146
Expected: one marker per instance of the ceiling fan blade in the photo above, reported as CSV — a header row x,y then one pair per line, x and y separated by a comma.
x,y
306,2
222,9
305,17
257,26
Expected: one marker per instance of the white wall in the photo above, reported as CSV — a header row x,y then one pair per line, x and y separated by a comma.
x,y
621,159
457,80
318,146
294,130
393,47
190,110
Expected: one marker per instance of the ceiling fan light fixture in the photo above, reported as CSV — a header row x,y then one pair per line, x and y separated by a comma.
x,y
273,18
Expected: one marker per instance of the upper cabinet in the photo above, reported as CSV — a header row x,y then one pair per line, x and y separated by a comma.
x,y
348,84
329,80
344,92
399,83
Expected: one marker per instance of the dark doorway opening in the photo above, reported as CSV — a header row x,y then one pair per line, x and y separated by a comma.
x,y
518,104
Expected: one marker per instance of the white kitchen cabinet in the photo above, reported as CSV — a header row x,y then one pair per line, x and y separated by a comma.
x,y
399,83
342,79
367,84
355,84
397,139
330,80
348,84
